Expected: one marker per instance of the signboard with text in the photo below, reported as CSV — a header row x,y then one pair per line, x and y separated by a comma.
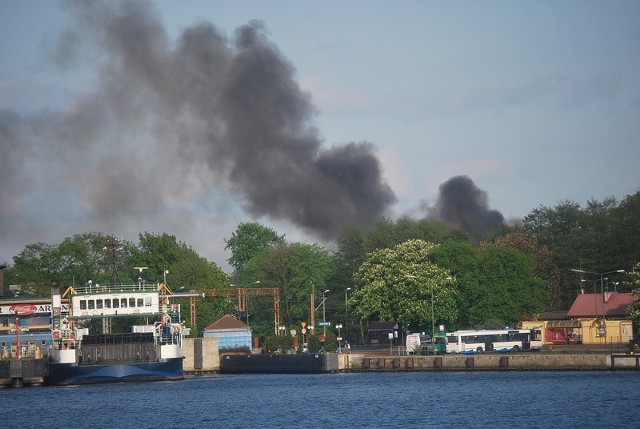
x,y
27,309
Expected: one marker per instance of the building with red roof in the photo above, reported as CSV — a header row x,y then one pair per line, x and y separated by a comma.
x,y
232,334
610,305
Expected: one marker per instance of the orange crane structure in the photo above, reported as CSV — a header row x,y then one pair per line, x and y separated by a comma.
x,y
241,293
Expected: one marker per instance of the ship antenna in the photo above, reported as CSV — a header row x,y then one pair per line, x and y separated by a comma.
x,y
114,270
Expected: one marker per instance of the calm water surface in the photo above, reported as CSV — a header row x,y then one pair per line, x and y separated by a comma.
x,y
358,400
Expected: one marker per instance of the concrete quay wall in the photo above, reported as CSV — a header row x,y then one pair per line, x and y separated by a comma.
x,y
23,372
200,355
203,358
498,361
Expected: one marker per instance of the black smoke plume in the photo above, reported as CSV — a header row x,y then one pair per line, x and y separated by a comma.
x,y
174,126
463,204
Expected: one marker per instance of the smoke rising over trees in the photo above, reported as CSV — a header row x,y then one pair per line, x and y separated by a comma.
x,y
463,204
172,124
174,127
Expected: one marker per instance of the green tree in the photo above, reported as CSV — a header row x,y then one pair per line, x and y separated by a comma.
x,y
347,259
386,233
461,259
313,344
625,222
31,270
248,240
497,285
560,228
78,259
400,284
507,290
634,284
598,238
293,268
184,270
545,265
602,250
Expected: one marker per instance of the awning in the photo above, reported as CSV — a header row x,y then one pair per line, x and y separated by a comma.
x,y
564,324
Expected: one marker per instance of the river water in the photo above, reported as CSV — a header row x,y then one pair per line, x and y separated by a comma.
x,y
354,400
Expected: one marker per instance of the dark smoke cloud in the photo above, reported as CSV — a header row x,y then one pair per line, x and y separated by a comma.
x,y
463,204
172,122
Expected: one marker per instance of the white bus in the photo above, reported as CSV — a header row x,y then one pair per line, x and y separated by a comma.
x,y
498,340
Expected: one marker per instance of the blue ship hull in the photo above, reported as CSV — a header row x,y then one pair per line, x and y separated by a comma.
x,y
70,374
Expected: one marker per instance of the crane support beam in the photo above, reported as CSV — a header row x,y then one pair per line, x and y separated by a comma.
x,y
241,294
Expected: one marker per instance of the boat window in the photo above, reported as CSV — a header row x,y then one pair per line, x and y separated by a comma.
x,y
116,303
123,303
132,302
83,304
147,301
107,303
91,304
98,303
140,302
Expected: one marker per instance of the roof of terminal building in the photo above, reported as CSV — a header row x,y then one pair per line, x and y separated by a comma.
x,y
596,304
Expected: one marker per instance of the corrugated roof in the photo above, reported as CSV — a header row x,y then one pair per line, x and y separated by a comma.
x,y
591,305
564,324
226,322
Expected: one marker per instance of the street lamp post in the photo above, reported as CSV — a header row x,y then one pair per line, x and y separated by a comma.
x,y
433,318
324,314
346,310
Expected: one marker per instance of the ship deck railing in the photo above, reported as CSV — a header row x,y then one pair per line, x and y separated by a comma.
x,y
106,288
168,339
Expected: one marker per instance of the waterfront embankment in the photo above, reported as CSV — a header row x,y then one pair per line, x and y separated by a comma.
x,y
496,361
202,357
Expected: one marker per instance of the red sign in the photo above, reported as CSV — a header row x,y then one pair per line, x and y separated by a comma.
x,y
23,309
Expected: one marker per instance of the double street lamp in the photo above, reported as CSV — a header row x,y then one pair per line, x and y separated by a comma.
x,y
339,327
324,314
601,286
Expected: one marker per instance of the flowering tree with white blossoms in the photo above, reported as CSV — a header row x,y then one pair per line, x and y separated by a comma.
x,y
401,285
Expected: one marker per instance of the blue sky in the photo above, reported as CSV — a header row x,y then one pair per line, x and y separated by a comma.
x,y
536,102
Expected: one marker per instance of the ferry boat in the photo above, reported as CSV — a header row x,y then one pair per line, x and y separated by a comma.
x,y
150,352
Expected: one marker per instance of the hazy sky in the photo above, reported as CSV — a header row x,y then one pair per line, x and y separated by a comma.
x,y
155,116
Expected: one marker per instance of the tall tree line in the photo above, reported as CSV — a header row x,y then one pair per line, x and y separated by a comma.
x,y
531,263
